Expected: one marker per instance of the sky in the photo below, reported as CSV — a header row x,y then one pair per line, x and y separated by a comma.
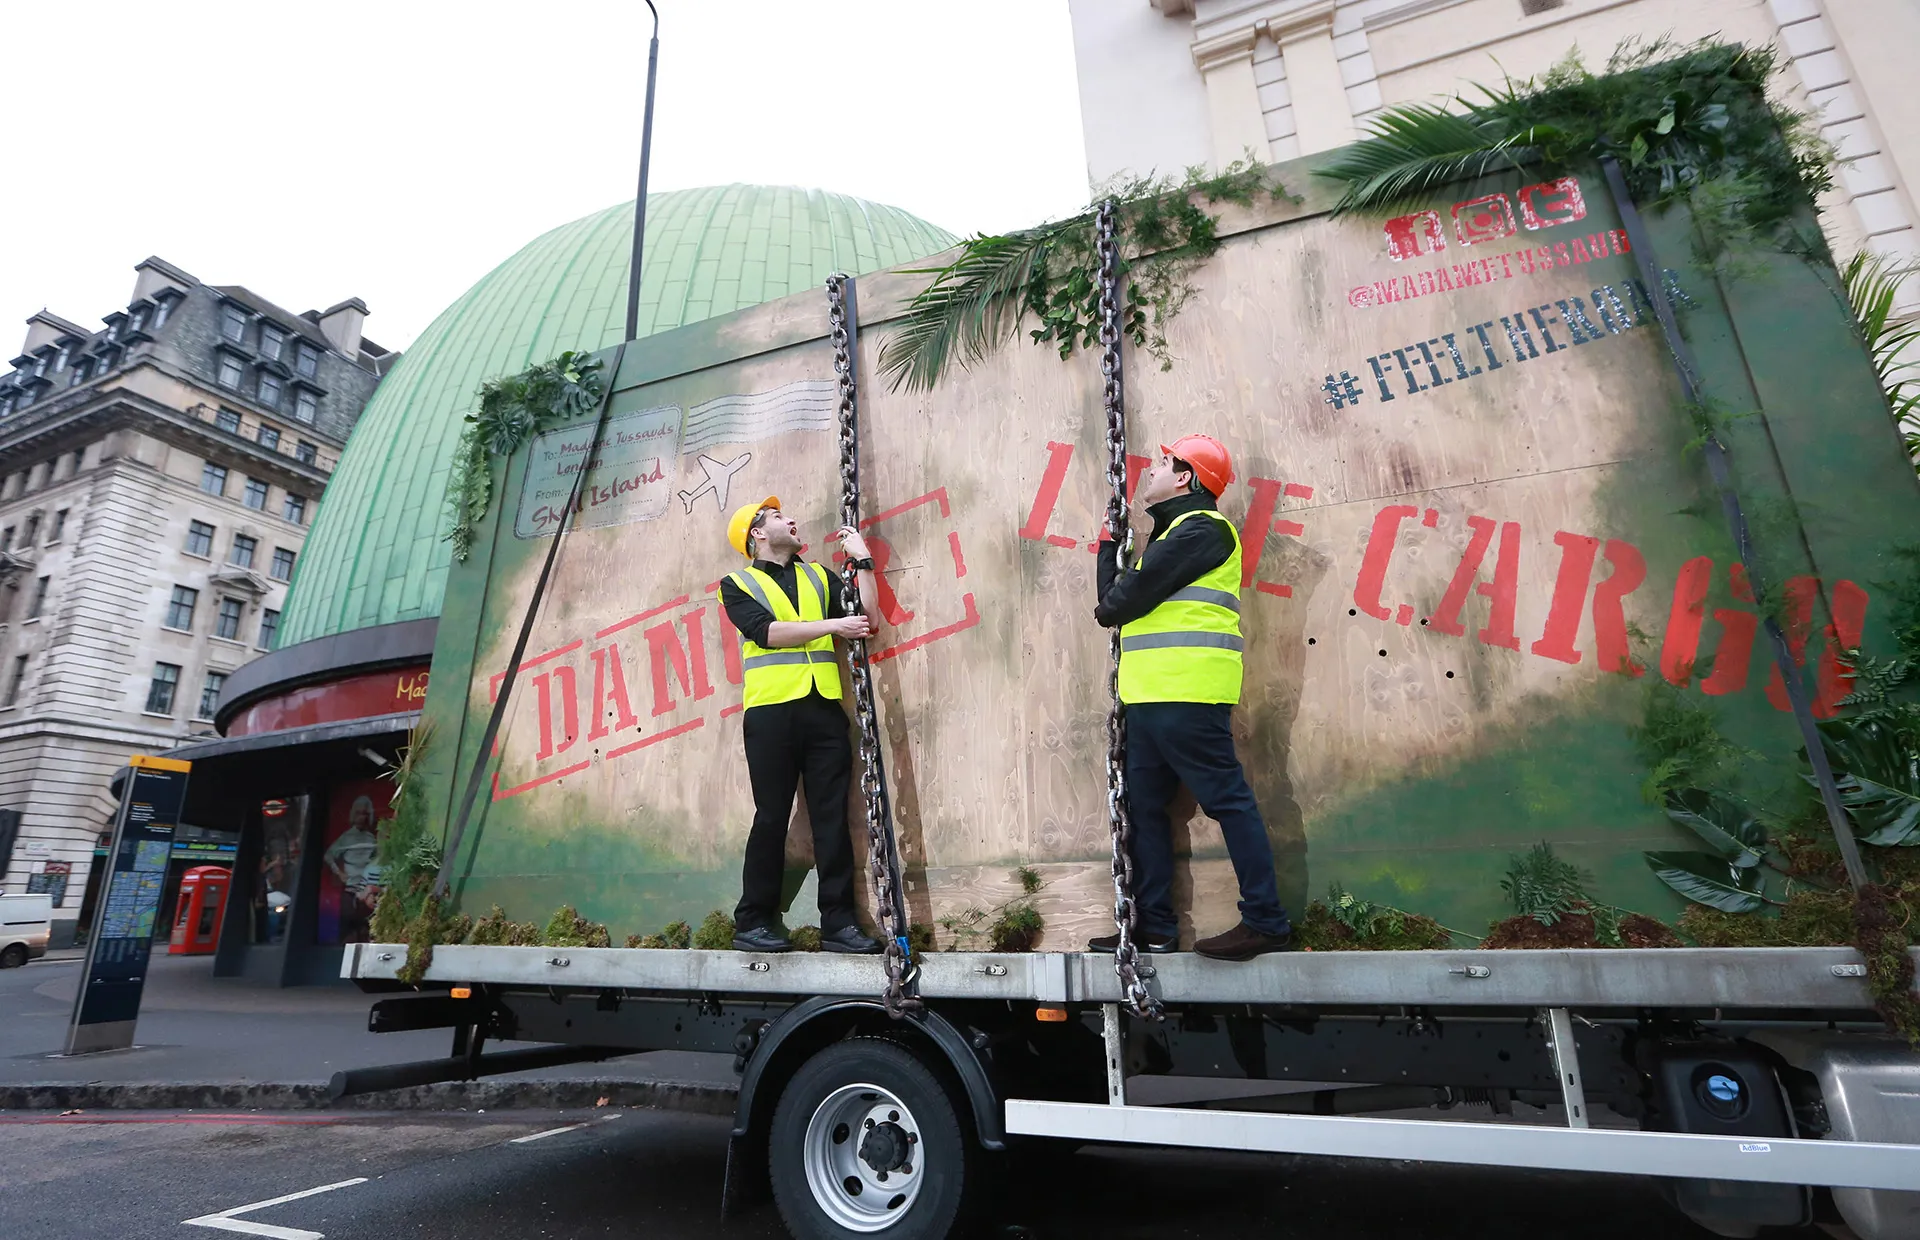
x,y
397,151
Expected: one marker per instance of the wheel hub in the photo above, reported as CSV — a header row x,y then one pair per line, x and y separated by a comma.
x,y
861,1157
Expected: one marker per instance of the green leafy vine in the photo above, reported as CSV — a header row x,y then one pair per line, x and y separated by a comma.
x,y
513,408
1050,274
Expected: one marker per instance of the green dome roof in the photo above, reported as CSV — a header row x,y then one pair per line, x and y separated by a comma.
x,y
375,554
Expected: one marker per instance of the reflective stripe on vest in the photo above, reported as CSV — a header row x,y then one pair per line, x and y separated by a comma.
x,y
1188,649
783,674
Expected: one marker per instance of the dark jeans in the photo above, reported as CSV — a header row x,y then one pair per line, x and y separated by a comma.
x,y
790,743
1191,743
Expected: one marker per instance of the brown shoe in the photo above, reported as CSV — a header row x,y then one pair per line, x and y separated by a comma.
x,y
1243,942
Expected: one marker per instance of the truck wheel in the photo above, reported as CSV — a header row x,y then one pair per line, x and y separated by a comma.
x,y
866,1142
13,957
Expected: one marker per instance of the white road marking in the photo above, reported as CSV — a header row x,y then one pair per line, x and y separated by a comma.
x,y
227,1220
551,1132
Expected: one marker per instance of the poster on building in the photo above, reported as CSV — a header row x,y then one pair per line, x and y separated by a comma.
x,y
283,825
350,871
51,881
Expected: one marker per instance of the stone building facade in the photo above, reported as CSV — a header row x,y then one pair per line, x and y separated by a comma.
x,y
1166,84
158,477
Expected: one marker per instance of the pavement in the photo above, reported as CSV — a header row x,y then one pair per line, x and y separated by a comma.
x,y
203,1041
611,1172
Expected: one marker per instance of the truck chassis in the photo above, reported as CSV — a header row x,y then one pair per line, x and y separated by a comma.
x,y
1761,1073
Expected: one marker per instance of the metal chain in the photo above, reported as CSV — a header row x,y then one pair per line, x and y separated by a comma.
x,y
1126,954
883,858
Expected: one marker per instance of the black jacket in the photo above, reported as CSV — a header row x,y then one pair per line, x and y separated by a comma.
x,y
1173,563
752,619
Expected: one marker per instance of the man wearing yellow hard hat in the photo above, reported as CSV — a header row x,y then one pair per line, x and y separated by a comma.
x,y
788,611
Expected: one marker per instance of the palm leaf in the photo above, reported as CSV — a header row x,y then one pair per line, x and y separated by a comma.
x,y
1414,148
1727,826
1878,778
1873,288
1709,880
973,305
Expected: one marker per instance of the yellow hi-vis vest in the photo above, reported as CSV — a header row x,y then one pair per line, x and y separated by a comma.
x,y
1188,648
781,675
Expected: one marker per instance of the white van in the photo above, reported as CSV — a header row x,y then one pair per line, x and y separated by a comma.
x,y
26,923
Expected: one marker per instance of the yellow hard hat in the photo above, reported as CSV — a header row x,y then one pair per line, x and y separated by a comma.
x,y
742,521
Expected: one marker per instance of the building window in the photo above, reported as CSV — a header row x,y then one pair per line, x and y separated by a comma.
x,y
161,309
228,421
210,694
166,678
306,453
295,509
180,609
306,360
66,355
79,375
213,479
269,390
79,458
269,436
39,597
226,622
230,372
59,526
14,678
282,569
40,366
105,362
6,539
233,323
139,320
242,553
269,628
272,340
31,538
199,538
256,496
305,405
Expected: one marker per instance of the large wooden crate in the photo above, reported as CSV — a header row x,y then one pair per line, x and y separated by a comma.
x,y
1474,534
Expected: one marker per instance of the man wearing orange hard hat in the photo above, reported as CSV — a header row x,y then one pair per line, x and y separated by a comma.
x,y
788,611
1178,610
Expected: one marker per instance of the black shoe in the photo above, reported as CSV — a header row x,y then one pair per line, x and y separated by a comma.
x,y
1152,944
761,939
1243,942
848,941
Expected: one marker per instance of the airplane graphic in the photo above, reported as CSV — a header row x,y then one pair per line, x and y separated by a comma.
x,y
719,478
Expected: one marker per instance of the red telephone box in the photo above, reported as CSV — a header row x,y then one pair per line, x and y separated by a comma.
x,y
202,905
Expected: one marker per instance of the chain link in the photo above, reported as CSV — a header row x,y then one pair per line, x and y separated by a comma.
x,y
883,864
1126,955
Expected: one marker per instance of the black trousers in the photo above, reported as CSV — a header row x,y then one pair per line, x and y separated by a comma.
x,y
789,744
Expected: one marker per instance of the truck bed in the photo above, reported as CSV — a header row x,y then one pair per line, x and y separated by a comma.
x,y
1827,979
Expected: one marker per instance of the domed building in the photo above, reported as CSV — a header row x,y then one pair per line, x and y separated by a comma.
x,y
308,729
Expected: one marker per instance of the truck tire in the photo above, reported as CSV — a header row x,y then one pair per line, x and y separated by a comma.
x,y
14,956
865,1142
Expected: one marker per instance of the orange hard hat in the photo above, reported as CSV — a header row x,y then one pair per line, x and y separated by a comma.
x,y
1208,456
740,524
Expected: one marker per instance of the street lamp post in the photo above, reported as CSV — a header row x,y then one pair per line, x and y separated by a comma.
x,y
640,201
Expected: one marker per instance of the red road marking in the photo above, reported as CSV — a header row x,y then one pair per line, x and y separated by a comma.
x,y
959,560
169,1119
656,738
517,789
734,709
1278,591
617,625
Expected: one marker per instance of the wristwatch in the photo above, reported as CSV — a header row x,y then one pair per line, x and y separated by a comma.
x,y
865,565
